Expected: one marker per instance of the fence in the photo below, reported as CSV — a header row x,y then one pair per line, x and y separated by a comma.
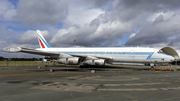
x,y
25,63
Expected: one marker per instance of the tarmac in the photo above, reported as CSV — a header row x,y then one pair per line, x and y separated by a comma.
x,y
32,84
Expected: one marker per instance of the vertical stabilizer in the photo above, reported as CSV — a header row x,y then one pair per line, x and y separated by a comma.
x,y
42,42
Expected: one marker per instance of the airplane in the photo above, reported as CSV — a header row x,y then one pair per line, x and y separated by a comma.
x,y
97,55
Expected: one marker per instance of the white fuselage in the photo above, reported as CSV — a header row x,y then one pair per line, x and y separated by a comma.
x,y
121,54
95,55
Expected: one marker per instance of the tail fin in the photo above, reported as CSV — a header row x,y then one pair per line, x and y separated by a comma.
x,y
42,41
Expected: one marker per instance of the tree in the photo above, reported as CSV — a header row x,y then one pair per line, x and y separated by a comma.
x,y
1,58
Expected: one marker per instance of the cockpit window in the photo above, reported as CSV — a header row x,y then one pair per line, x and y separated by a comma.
x,y
160,52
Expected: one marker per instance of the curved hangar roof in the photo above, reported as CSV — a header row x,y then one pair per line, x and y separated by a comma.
x,y
171,51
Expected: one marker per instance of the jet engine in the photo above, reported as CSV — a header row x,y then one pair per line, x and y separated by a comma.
x,y
69,61
99,62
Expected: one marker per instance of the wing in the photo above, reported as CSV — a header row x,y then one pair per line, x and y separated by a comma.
x,y
54,55
91,57
30,51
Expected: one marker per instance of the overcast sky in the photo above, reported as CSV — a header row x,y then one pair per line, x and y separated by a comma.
x,y
93,23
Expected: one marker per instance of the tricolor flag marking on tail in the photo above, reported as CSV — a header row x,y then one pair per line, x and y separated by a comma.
x,y
42,45
42,41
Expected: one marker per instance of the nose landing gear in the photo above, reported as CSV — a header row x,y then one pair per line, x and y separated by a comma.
x,y
152,66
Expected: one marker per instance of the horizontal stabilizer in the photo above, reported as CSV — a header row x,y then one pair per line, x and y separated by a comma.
x,y
30,51
12,49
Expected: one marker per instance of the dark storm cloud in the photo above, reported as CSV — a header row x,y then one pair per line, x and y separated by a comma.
x,y
127,10
155,31
159,19
175,41
134,13
38,13
151,5
96,3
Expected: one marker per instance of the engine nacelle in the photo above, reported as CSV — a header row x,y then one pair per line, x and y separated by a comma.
x,y
73,61
69,61
89,62
62,60
99,62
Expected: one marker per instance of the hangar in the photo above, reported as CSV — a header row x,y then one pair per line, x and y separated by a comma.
x,y
171,51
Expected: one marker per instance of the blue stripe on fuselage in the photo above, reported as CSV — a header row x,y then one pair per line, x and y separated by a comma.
x,y
150,54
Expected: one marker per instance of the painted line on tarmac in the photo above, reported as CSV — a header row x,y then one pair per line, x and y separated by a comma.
x,y
136,84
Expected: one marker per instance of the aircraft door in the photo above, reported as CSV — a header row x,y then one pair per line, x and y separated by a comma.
x,y
132,55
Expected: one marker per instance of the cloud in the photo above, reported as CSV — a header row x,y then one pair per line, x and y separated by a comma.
x,y
95,3
7,10
30,37
90,27
92,23
37,13
91,35
81,15
157,32
175,42
132,35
